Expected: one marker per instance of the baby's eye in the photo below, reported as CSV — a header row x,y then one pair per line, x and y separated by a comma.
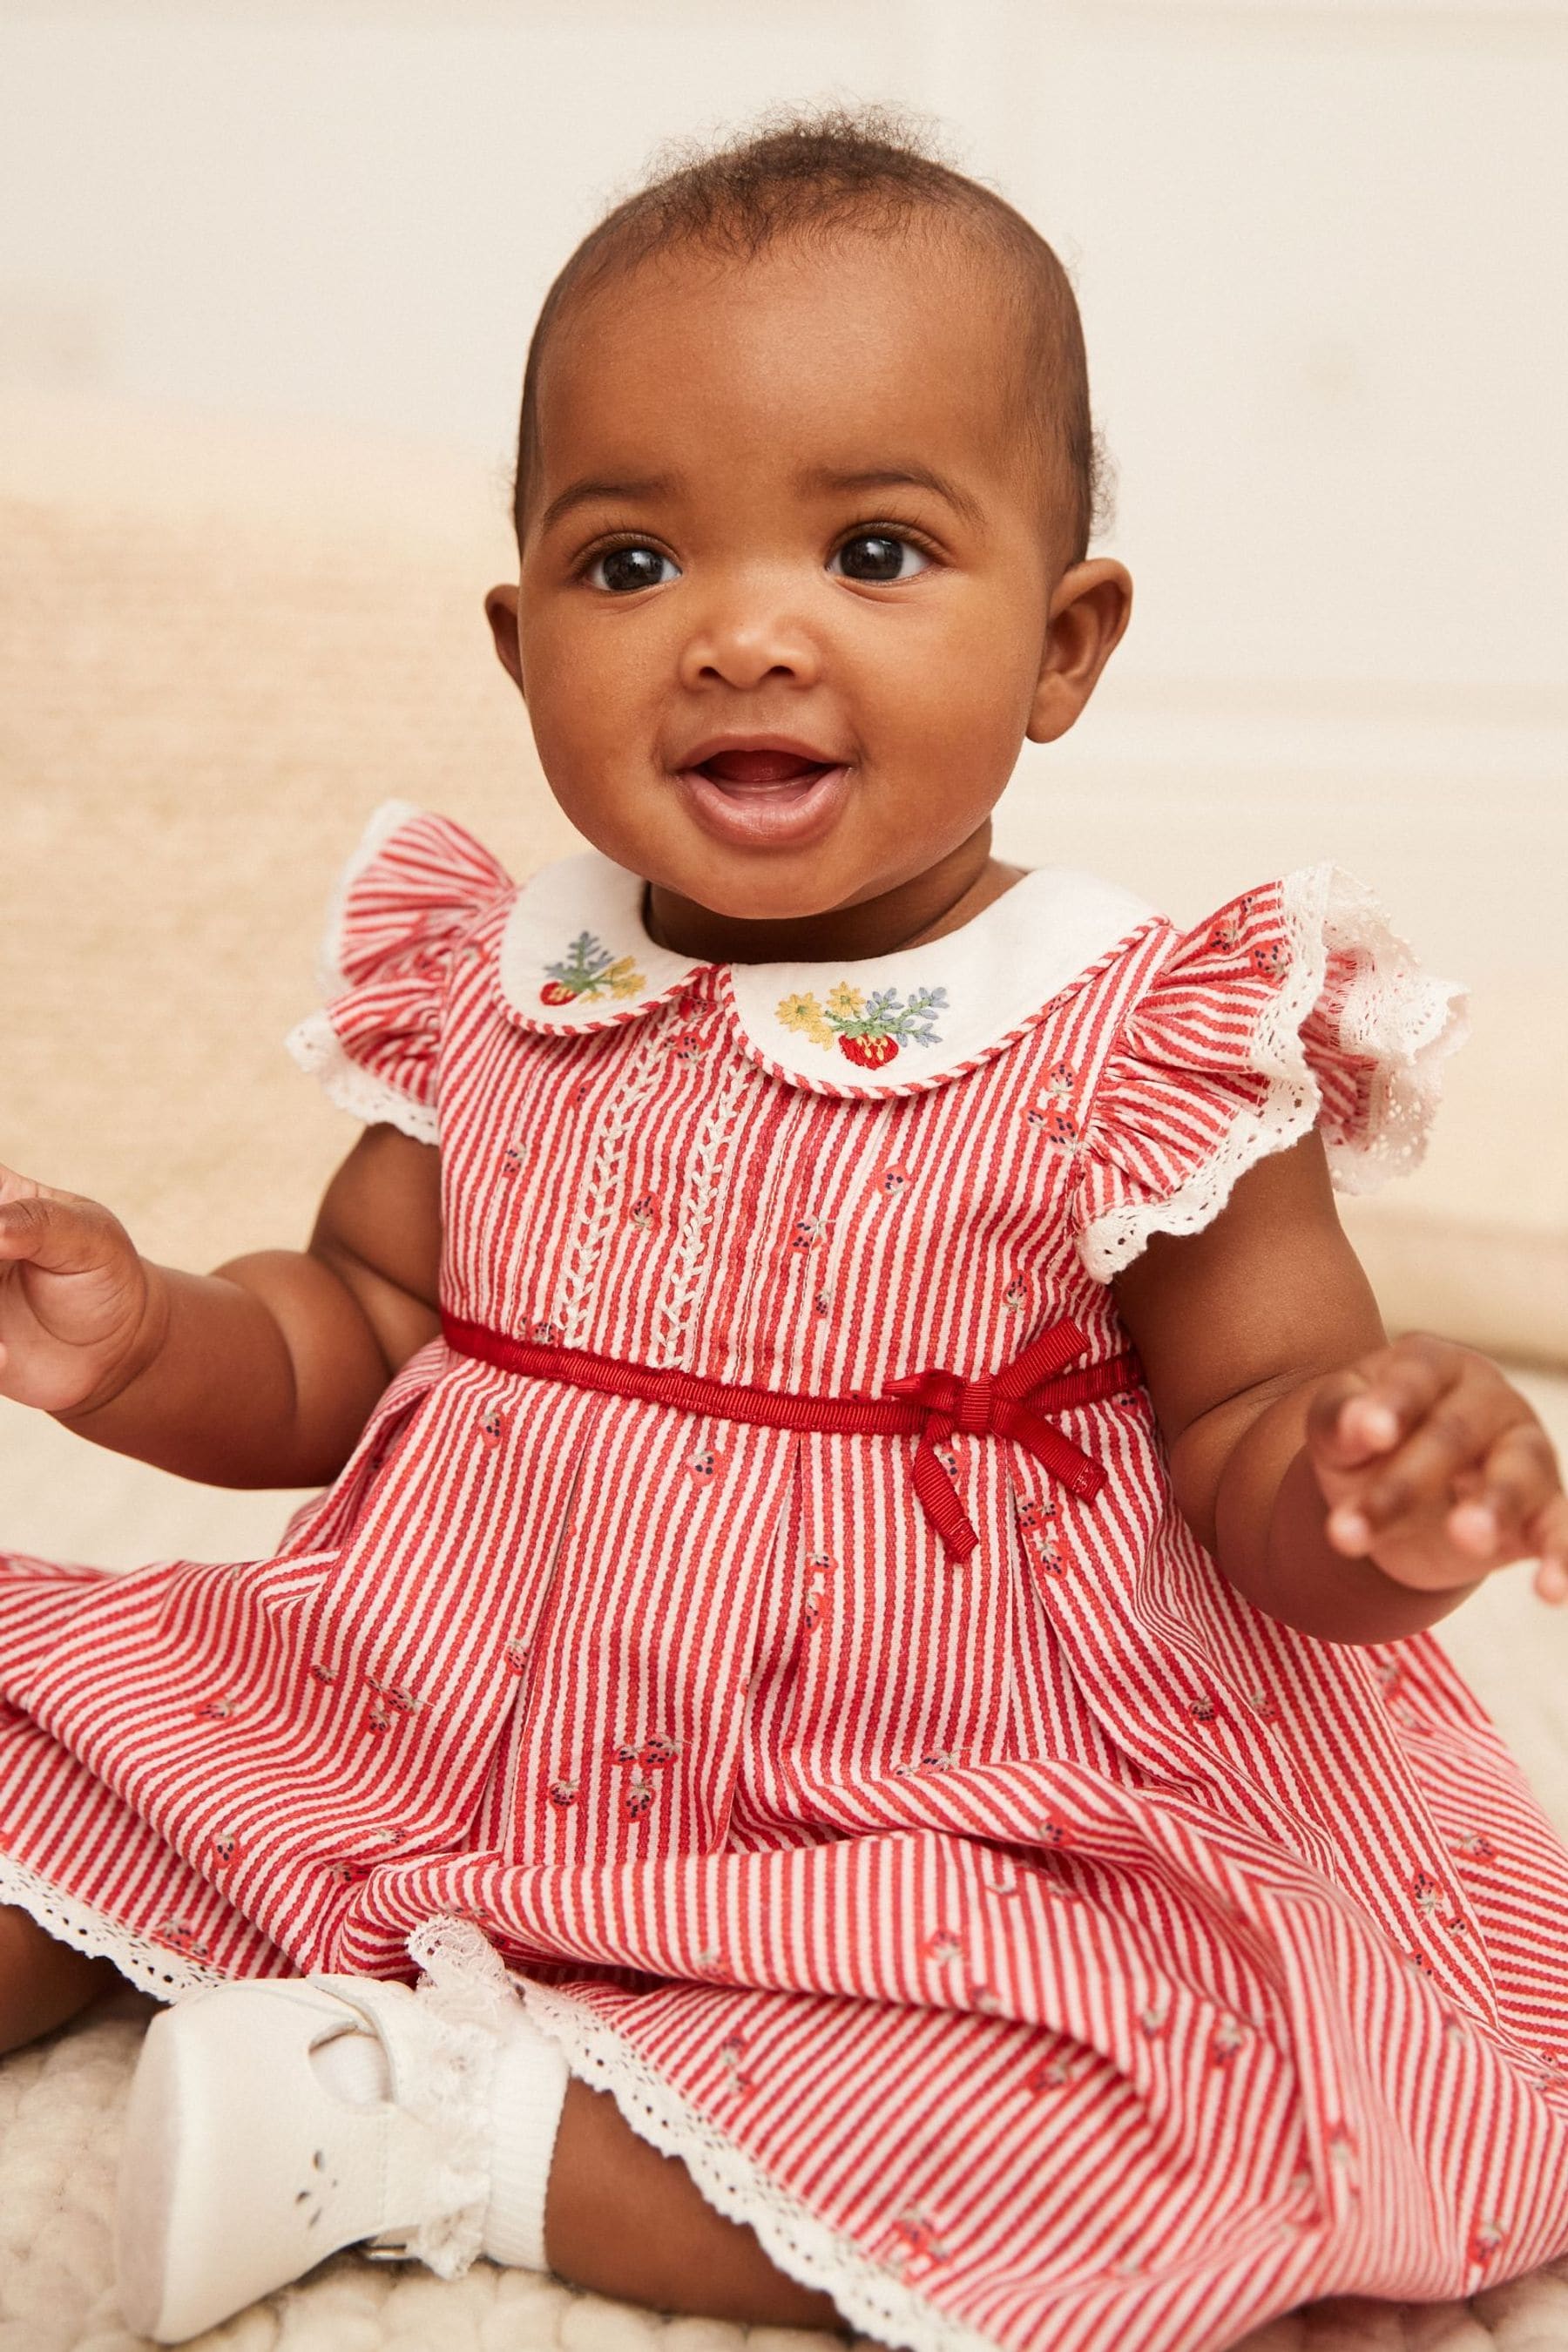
x,y
877,555
624,569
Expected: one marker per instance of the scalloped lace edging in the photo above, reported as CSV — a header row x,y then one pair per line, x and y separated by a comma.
x,y
155,1967
388,819
871,2298
1405,1021
317,1047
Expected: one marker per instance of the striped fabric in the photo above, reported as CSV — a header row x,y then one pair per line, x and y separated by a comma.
x,y
1045,1950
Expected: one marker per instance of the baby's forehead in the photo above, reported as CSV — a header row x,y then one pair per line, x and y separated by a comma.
x,y
822,344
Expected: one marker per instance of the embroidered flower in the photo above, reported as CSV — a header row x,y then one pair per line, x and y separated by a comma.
x,y
870,1030
588,968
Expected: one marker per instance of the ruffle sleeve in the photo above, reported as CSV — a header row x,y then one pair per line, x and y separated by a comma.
x,y
1295,1006
408,898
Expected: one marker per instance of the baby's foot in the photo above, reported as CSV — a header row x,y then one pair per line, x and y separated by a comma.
x,y
273,2122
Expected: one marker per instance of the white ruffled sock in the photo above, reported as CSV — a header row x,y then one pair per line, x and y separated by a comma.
x,y
528,2093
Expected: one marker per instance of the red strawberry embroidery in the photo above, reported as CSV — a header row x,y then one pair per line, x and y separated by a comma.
x,y
871,1053
555,992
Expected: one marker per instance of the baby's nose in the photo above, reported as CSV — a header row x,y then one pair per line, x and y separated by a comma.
x,y
747,643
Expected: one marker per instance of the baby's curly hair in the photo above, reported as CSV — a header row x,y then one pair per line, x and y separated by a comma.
x,y
814,175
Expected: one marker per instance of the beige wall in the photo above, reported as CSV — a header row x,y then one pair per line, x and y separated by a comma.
x,y
1318,248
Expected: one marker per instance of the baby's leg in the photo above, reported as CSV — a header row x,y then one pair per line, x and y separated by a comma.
x,y
625,2221
42,1981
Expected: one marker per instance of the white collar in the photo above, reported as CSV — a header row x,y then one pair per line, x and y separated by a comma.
x,y
575,957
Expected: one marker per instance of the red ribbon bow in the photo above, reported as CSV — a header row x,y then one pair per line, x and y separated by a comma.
x,y
1009,1403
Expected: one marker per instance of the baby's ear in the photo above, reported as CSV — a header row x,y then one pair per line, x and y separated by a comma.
x,y
1091,607
500,612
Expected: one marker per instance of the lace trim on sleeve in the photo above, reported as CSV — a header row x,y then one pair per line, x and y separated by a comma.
x,y
315,1046
1353,977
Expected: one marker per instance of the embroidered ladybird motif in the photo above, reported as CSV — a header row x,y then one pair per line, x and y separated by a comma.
x,y
704,1465
640,1797
1050,2073
1226,932
916,2246
939,1760
644,1213
216,1709
1476,1847
177,1934
545,1334
397,1695
1202,1709
515,1654
658,1752
1053,1832
1052,1110
942,1947
492,1427
347,1870
1269,960
893,1181
1262,1706
810,1232
820,1302
868,1030
686,1045
512,1159
326,1675
219,1851
1015,1298
1427,1892
563,1793
732,2056
625,1751
589,969
1485,2238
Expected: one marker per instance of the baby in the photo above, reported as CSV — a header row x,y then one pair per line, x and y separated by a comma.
x,y
868,1625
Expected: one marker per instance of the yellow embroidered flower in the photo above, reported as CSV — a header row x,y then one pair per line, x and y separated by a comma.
x,y
846,1002
804,1012
623,979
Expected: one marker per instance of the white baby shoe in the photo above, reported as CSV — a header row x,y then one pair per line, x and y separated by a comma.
x,y
252,2151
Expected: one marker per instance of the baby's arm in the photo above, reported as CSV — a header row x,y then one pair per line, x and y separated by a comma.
x,y
1356,1489
262,1374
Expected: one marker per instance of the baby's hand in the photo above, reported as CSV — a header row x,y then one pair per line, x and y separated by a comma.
x,y
74,1298
1436,1470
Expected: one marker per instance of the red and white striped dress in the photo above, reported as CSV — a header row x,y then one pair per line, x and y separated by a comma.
x,y
1041,1948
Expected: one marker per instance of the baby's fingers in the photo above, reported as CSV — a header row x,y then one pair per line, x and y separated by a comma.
x,y
1365,1411
1450,1449
1507,1515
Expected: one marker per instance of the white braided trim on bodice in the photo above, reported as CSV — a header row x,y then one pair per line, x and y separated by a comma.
x,y
1405,1020
317,1047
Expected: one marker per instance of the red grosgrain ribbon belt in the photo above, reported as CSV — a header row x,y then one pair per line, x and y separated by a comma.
x,y
932,1406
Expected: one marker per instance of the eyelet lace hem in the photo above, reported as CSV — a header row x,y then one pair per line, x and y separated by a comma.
x,y
315,1046
156,1967
872,2299
1394,1015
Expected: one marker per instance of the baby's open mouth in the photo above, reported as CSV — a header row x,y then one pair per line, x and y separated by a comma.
x,y
752,769
764,795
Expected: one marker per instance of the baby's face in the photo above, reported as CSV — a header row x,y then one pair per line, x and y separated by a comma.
x,y
788,571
